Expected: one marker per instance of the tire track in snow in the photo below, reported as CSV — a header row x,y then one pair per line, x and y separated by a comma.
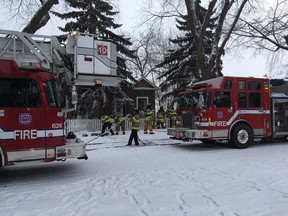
x,y
182,203
188,176
138,198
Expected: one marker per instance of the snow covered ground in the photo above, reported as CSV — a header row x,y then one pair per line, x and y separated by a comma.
x,y
160,180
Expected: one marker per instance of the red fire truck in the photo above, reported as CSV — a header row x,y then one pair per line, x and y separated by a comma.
x,y
31,116
237,109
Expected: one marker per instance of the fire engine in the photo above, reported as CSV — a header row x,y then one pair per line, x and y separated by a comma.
x,y
237,109
32,119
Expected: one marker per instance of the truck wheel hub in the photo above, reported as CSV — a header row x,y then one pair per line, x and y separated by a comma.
x,y
243,136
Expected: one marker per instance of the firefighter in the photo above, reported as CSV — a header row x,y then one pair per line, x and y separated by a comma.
x,y
171,113
135,120
120,123
107,122
148,116
160,117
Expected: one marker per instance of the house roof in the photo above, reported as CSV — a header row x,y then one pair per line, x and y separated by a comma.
x,y
144,84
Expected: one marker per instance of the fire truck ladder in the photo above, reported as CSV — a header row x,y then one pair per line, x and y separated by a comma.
x,y
82,61
30,50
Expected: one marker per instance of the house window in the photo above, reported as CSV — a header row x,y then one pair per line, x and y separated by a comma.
x,y
142,102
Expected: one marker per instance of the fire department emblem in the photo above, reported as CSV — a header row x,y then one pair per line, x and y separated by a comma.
x,y
25,118
220,114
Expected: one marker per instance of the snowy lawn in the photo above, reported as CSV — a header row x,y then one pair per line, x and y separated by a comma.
x,y
162,180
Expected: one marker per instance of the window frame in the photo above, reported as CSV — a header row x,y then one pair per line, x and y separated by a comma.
x,y
241,82
245,96
219,101
252,100
20,94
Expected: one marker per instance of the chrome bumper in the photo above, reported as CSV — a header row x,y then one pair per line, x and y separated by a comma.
x,y
184,133
74,148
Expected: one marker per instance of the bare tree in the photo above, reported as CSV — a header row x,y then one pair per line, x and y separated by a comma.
x,y
150,46
20,8
34,12
226,13
267,33
221,10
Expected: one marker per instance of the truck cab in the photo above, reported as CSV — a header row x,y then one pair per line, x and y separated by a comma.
x,y
236,109
31,117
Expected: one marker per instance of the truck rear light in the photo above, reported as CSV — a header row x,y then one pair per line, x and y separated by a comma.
x,y
61,154
205,134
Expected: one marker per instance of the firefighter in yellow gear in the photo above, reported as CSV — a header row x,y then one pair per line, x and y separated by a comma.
x,y
148,120
161,117
135,120
171,113
107,122
120,123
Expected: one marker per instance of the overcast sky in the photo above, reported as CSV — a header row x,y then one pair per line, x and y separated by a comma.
x,y
244,64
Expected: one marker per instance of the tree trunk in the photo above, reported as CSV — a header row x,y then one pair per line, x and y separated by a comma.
x,y
40,18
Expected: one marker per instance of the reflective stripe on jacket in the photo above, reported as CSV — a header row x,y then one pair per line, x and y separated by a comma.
x,y
148,115
161,115
172,114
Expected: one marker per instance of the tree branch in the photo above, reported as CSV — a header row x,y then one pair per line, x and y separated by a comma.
x,y
39,19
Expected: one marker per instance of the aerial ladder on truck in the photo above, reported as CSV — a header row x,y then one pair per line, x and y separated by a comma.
x,y
93,61
32,125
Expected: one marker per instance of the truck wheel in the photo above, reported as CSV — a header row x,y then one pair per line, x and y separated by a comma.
x,y
241,136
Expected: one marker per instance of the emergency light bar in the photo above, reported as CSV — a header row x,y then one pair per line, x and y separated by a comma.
x,y
29,65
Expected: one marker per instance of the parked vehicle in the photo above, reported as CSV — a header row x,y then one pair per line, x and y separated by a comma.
x,y
31,114
237,109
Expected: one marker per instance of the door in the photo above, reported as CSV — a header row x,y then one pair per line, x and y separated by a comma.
x,y
221,114
280,117
22,120
142,103
54,118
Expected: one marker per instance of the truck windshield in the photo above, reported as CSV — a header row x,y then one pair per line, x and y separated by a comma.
x,y
191,100
19,93
52,94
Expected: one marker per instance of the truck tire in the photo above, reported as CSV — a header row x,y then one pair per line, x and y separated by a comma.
x,y
241,136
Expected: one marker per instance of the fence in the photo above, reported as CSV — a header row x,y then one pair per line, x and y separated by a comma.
x,y
77,125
